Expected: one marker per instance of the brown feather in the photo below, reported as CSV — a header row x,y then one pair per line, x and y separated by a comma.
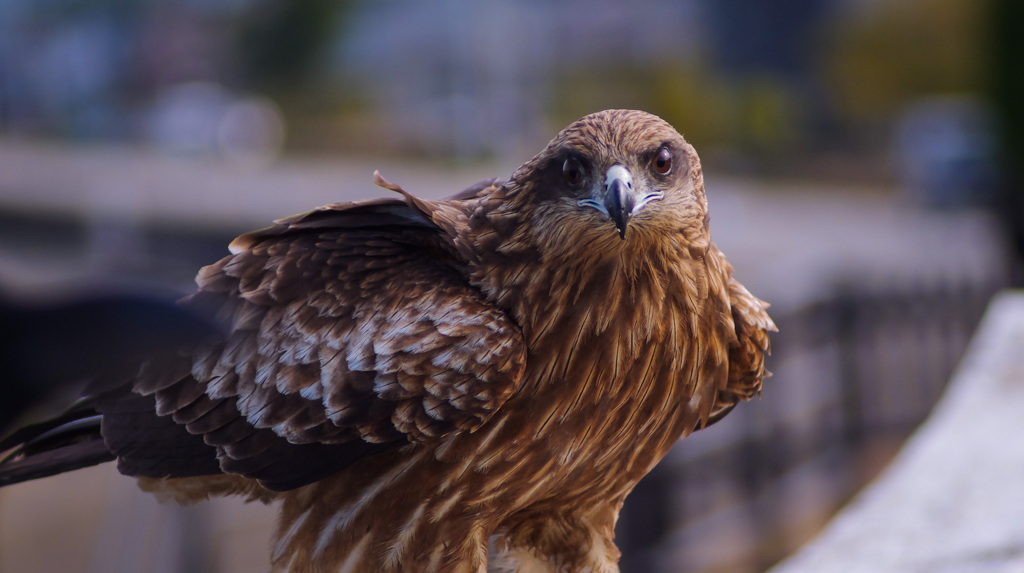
x,y
439,385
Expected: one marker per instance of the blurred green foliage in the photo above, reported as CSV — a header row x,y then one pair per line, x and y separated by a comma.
x,y
1006,45
870,63
281,43
756,113
899,51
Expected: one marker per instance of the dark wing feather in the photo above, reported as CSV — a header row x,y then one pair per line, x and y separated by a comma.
x,y
67,442
353,330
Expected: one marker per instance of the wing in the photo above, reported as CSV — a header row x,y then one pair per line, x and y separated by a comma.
x,y
89,331
751,324
352,331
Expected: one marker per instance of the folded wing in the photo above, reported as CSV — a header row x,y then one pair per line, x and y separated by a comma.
x,y
352,331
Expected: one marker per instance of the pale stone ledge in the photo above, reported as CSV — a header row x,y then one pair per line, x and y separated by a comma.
x,y
953,499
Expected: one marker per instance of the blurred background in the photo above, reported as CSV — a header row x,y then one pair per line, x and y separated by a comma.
x,y
863,161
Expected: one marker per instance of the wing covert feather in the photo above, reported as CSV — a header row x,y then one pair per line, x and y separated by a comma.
x,y
369,330
751,324
350,325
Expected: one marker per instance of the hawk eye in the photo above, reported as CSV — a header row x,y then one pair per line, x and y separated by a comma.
x,y
662,162
572,171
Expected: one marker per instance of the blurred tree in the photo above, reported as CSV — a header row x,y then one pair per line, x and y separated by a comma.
x,y
684,93
755,113
281,42
1007,89
766,52
895,52
763,37
700,103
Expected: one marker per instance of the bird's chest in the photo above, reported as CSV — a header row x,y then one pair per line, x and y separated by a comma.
x,y
612,378
607,404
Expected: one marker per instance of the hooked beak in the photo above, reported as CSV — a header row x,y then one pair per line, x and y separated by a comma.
x,y
618,200
618,197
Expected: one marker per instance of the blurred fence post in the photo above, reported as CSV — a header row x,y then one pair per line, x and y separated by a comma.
x,y
845,321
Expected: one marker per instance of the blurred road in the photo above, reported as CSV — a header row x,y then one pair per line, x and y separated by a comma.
x,y
788,241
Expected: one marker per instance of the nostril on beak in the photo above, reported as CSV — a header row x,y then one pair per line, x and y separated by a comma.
x,y
618,197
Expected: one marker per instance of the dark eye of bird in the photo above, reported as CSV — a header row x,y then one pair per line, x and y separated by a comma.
x,y
572,171
662,162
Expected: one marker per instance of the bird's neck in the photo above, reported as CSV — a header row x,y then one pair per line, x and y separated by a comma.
x,y
618,299
637,281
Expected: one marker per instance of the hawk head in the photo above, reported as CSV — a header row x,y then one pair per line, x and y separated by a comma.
x,y
616,176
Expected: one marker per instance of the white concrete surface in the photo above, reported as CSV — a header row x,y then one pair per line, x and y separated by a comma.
x,y
953,500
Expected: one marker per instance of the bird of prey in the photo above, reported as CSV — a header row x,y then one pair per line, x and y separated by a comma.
x,y
464,385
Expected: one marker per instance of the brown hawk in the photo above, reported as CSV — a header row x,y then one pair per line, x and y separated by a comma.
x,y
459,385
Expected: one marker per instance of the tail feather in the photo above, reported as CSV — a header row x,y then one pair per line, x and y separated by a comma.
x,y
93,344
66,443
